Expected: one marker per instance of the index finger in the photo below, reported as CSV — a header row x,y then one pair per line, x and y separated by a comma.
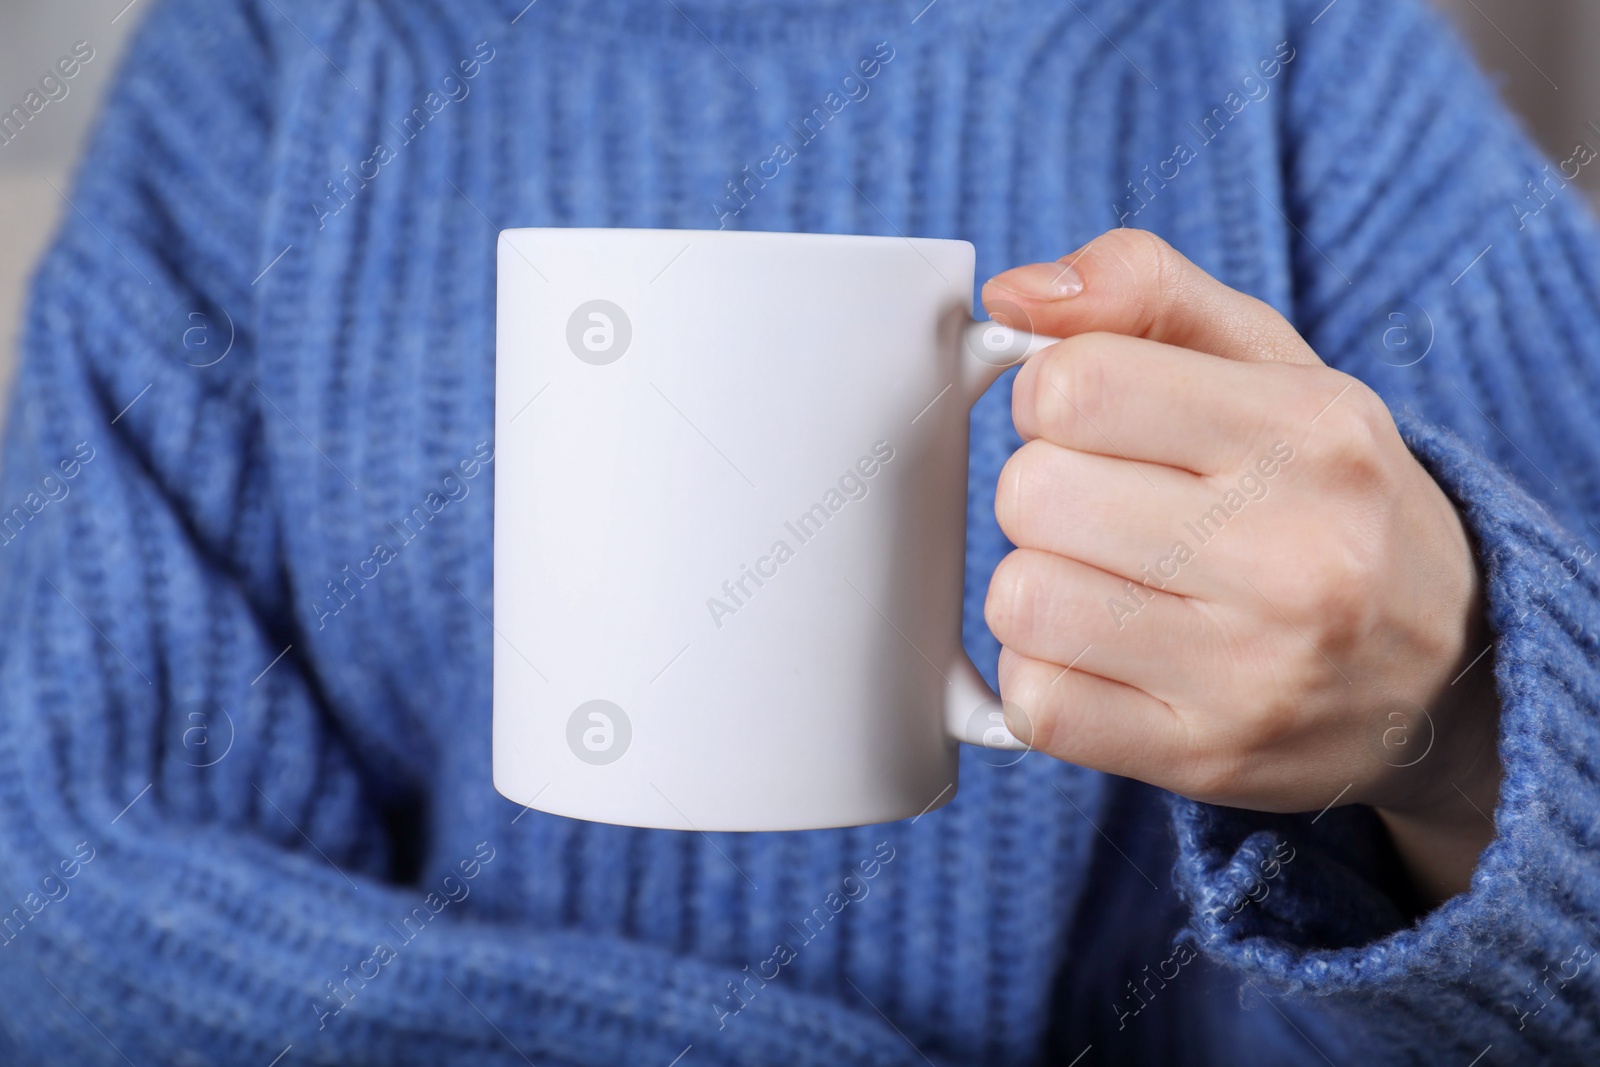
x,y
1132,282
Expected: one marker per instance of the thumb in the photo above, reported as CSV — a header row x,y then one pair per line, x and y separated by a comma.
x,y
1131,282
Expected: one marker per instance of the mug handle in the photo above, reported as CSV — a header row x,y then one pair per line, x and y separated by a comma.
x,y
989,350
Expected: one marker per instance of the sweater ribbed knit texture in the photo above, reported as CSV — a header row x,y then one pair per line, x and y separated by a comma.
x,y
274,364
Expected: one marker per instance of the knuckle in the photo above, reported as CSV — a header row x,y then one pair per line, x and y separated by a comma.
x,y
1160,258
1266,723
1024,482
1345,596
1013,675
1071,394
1331,596
1354,445
1044,723
1031,693
1153,269
1026,684
1139,250
1010,495
1216,773
1008,606
1345,586
1305,587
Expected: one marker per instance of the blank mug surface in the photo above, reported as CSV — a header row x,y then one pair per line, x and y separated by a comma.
x,y
730,499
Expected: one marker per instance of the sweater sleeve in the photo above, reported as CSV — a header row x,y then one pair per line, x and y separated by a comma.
x,y
194,865
1439,260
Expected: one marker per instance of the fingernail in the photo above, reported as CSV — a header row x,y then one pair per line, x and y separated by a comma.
x,y
1041,281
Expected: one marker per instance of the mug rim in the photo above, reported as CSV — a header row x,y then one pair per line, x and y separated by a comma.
x,y
805,236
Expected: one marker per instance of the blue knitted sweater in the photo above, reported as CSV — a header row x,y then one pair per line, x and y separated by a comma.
x,y
245,804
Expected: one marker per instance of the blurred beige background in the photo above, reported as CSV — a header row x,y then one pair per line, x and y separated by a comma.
x,y
1540,51
33,35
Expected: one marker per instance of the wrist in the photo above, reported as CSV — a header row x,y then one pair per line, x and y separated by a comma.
x,y
1440,848
1444,821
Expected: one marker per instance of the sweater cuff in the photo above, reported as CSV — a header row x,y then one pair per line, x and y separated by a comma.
x,y
1308,904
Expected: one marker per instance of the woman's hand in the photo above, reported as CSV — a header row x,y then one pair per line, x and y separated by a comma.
x,y
1233,580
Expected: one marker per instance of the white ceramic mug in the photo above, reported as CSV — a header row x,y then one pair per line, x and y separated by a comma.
x,y
729,525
